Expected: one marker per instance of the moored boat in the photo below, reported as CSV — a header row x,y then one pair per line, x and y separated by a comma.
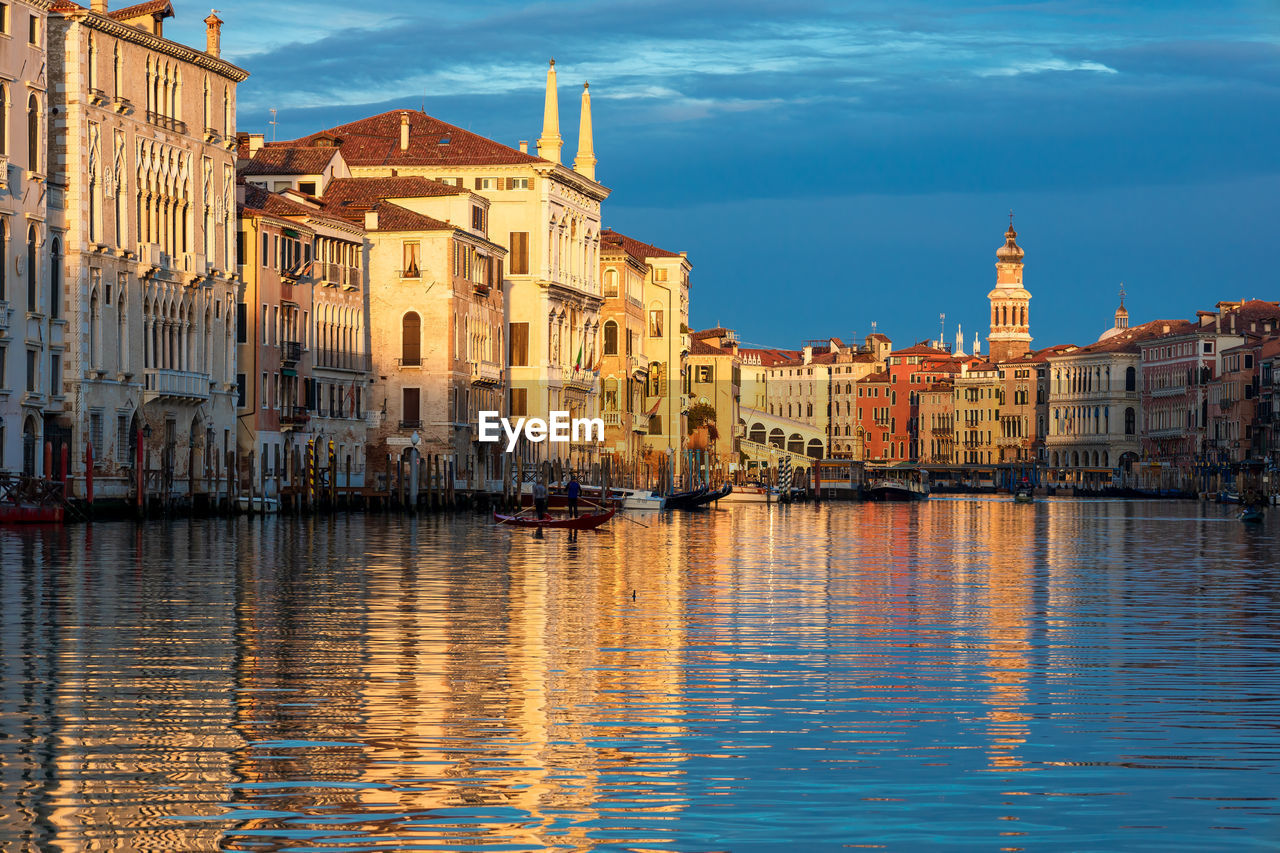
x,y
710,497
582,522
895,490
1023,496
1251,513
751,494
685,500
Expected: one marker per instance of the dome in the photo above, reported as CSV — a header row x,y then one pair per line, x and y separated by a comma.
x,y
1010,252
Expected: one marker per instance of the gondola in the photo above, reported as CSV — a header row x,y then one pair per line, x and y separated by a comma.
x,y
685,500
582,522
1251,513
709,497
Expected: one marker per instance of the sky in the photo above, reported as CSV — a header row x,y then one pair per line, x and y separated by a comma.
x,y
830,165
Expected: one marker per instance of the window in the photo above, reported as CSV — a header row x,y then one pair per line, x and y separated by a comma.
x,y
123,442
33,371
241,390
410,268
4,21
95,433
411,340
518,260
55,280
409,411
33,134
477,218
308,187
33,30
4,103
610,338
518,345
659,274
611,283
242,323
655,323
33,299
519,406
55,374
1130,422
704,375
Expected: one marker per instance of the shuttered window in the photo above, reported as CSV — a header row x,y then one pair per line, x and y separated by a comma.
x,y
411,340
519,257
519,354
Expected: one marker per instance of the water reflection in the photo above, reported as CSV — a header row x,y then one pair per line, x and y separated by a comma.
x,y
1066,674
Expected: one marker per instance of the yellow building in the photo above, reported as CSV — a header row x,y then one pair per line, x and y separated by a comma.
x,y
624,367
713,374
665,340
546,216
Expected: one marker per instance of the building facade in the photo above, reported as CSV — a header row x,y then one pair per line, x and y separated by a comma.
x,y
33,324
144,147
624,366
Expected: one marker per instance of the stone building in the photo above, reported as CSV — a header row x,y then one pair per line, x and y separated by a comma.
x,y
624,366
302,333
1095,405
666,338
714,376
546,217
33,324
143,145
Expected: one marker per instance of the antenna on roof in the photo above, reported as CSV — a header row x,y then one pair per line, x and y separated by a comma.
x,y
942,336
273,124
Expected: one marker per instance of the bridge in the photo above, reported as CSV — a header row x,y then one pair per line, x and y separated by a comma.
x,y
768,438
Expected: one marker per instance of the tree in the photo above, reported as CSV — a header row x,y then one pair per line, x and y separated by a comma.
x,y
703,414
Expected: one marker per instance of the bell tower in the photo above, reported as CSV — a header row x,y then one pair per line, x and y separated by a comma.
x,y
1010,336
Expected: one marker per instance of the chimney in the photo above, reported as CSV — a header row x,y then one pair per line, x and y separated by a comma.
x,y
371,220
404,131
524,146
808,354
212,32
256,141
99,7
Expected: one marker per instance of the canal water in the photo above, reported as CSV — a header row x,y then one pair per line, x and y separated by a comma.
x,y
955,674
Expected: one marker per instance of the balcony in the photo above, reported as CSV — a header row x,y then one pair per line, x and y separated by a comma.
x,y
354,278
170,124
174,384
411,425
336,360
151,255
639,422
639,363
583,380
294,416
290,352
1171,391
612,419
485,373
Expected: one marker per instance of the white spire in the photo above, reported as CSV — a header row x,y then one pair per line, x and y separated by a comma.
x,y
549,143
585,163
959,339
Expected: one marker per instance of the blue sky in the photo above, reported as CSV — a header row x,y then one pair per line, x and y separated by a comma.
x,y
827,165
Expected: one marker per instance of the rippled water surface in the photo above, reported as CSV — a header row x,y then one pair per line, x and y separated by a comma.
x,y
954,674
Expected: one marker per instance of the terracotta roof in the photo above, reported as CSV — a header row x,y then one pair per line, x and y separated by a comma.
x,y
769,357
920,349
375,141
699,347
875,377
351,197
163,8
1129,339
289,161
634,248
393,217
1270,348
259,200
982,366
717,332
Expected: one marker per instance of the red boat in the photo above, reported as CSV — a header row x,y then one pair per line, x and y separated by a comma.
x,y
582,522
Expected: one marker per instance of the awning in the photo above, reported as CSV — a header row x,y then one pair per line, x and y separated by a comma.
x,y
288,371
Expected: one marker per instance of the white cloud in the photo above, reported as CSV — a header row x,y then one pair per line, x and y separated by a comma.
x,y
1038,66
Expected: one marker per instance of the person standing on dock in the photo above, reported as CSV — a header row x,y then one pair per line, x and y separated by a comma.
x,y
572,491
539,499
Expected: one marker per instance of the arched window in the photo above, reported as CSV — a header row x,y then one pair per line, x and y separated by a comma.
x,y
1131,379
611,283
610,335
757,433
4,254
809,410
33,289
1130,420
33,134
55,279
4,119
411,340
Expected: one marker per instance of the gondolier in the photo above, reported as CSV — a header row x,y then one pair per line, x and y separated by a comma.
x,y
571,492
540,499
